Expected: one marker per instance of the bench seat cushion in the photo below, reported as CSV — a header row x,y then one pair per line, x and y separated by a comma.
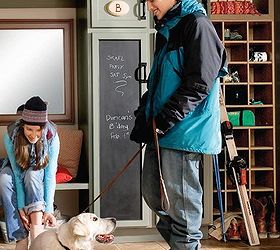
x,y
70,149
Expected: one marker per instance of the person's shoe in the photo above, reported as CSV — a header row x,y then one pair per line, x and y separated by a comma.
x,y
235,76
232,77
235,36
22,244
232,35
242,230
4,232
259,207
271,220
233,232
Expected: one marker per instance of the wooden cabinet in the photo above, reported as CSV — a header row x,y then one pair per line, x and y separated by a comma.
x,y
113,14
249,41
116,57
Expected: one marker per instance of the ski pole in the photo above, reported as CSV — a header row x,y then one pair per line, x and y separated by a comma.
x,y
219,192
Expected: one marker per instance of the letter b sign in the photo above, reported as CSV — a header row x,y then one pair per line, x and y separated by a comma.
x,y
117,8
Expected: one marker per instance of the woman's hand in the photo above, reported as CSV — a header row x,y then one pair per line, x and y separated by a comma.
x,y
49,219
25,219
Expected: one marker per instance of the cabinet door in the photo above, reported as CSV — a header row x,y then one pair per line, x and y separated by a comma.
x,y
126,13
116,56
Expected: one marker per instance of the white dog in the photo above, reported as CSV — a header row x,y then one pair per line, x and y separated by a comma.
x,y
79,233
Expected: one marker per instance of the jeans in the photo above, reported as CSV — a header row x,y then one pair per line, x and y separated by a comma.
x,y
180,225
34,199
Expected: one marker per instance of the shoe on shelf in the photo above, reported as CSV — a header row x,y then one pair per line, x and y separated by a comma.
x,y
232,77
233,232
255,102
242,230
271,220
259,207
234,35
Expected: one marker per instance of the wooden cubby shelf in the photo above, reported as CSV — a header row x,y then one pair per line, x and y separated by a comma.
x,y
251,55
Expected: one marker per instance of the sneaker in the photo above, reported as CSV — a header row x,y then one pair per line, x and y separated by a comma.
x,y
233,36
232,77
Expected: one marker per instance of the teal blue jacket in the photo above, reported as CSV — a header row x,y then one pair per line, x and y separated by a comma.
x,y
49,172
183,85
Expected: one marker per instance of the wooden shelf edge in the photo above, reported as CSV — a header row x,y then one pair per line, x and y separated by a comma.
x,y
72,186
241,18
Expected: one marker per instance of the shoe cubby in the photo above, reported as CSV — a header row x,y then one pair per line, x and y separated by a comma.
x,y
236,94
261,194
241,138
219,29
263,116
235,31
257,141
232,203
260,94
250,87
260,52
260,31
260,72
244,153
263,6
216,210
231,185
222,177
262,180
262,159
241,69
236,52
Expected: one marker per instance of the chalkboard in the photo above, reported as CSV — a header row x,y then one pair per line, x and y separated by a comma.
x,y
119,97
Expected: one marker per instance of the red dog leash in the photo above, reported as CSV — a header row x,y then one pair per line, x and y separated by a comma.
x,y
114,179
163,193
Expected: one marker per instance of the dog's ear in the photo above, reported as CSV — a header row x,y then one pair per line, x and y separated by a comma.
x,y
79,227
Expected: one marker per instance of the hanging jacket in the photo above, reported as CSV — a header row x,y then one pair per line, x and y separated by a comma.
x,y
183,85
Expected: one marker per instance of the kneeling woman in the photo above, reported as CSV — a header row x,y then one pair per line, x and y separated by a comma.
x,y
27,176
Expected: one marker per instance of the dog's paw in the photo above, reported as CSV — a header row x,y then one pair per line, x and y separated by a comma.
x,y
105,238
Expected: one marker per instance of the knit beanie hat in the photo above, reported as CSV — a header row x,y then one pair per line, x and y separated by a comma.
x,y
35,111
20,109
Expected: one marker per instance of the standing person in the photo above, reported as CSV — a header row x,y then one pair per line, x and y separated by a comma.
x,y
183,99
27,176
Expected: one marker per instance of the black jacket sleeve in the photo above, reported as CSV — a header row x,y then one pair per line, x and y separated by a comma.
x,y
204,57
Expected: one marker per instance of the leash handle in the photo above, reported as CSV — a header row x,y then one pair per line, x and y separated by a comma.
x,y
165,204
114,179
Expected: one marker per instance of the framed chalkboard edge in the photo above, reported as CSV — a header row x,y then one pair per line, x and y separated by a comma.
x,y
97,35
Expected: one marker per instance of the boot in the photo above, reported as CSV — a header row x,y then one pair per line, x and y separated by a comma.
x,y
22,244
35,230
259,207
232,232
242,230
271,220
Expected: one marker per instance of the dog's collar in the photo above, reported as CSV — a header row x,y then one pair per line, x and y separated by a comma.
x,y
62,244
